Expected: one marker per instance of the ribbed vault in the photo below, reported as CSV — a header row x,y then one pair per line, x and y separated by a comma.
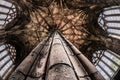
x,y
49,16
75,19
26,23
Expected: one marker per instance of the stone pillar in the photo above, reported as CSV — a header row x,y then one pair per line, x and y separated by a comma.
x,y
89,67
58,64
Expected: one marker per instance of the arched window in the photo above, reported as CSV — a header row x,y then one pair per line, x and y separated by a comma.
x,y
107,63
7,12
7,58
109,20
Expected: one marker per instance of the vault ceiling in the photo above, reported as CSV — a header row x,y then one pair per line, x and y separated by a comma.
x,y
75,19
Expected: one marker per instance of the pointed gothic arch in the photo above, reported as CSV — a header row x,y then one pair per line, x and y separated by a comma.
x,y
109,20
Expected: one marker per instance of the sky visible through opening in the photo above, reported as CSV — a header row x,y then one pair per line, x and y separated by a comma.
x,y
6,14
109,20
109,63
